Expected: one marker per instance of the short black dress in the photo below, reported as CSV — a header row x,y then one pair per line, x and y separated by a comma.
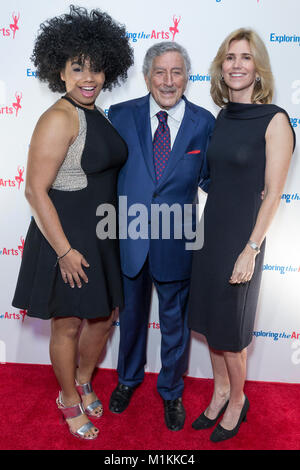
x,y
86,179
223,312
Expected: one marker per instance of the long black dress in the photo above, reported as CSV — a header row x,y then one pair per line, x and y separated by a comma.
x,y
223,312
86,179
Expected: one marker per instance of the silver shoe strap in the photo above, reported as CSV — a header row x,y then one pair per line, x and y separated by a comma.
x,y
70,412
92,406
85,428
84,389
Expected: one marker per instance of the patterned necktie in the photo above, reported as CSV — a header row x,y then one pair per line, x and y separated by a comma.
x,y
161,144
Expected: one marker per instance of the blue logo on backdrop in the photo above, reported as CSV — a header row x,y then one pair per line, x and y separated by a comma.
x,y
199,78
285,38
295,122
290,197
31,73
281,269
277,335
272,334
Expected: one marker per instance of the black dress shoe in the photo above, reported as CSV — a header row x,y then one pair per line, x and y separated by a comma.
x,y
120,398
221,434
174,414
203,422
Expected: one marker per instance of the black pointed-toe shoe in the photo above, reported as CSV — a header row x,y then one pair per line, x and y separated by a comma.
x,y
120,398
220,434
174,414
203,422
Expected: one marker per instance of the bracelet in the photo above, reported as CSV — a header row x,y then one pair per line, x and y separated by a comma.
x,y
254,246
62,256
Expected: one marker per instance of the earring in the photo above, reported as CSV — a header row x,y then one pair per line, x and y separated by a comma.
x,y
257,79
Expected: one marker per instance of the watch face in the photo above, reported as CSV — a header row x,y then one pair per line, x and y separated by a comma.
x,y
254,246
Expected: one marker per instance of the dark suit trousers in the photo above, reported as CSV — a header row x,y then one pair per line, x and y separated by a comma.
x,y
175,335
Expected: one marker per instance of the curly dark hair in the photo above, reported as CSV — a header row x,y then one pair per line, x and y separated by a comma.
x,y
82,35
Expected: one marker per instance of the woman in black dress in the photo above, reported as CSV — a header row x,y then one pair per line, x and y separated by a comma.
x,y
67,273
250,152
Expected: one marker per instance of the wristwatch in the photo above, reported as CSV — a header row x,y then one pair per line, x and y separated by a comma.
x,y
254,246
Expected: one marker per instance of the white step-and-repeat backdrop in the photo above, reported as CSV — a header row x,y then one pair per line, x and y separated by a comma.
x,y
200,26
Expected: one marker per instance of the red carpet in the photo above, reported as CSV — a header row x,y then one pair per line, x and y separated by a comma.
x,y
29,418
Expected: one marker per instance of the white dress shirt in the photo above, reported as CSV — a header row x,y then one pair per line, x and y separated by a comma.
x,y
175,116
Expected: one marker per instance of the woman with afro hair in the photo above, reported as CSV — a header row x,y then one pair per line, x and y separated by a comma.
x,y
68,274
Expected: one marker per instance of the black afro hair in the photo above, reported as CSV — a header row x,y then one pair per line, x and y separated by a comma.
x,y
82,35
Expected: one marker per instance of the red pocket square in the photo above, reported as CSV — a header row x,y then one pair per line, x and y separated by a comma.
x,y
193,151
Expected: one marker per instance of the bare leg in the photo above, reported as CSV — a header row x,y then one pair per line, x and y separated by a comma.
x,y
63,352
93,338
221,384
236,366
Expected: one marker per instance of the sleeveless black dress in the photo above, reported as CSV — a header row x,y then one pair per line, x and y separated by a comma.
x,y
223,312
86,179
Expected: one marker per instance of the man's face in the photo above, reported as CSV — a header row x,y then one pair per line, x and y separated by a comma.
x,y
167,79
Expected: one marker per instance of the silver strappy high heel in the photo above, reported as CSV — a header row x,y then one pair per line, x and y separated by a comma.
x,y
86,389
70,412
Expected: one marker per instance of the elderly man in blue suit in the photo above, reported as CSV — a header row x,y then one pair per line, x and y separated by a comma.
x,y
167,138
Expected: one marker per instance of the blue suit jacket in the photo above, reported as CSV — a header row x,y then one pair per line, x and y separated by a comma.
x,y
169,260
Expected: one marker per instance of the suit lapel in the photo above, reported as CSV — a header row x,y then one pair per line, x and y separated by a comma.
x,y
142,121
184,135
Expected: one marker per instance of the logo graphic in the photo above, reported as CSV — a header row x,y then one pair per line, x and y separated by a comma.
x,y
13,251
174,30
14,316
17,105
23,313
31,73
285,38
9,110
19,178
281,269
295,122
199,78
288,197
277,335
14,182
168,34
13,27
153,325
21,247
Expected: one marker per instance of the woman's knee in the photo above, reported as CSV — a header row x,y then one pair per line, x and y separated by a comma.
x,y
104,324
66,327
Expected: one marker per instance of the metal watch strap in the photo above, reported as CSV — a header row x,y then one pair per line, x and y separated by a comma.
x,y
254,246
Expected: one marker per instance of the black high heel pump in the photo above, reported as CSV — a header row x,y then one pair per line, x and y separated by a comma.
x,y
203,422
221,434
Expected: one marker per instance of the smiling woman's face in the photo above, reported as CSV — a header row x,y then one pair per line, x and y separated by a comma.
x,y
83,85
239,71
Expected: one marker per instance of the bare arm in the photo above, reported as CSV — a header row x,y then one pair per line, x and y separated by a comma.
x,y
279,149
49,144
